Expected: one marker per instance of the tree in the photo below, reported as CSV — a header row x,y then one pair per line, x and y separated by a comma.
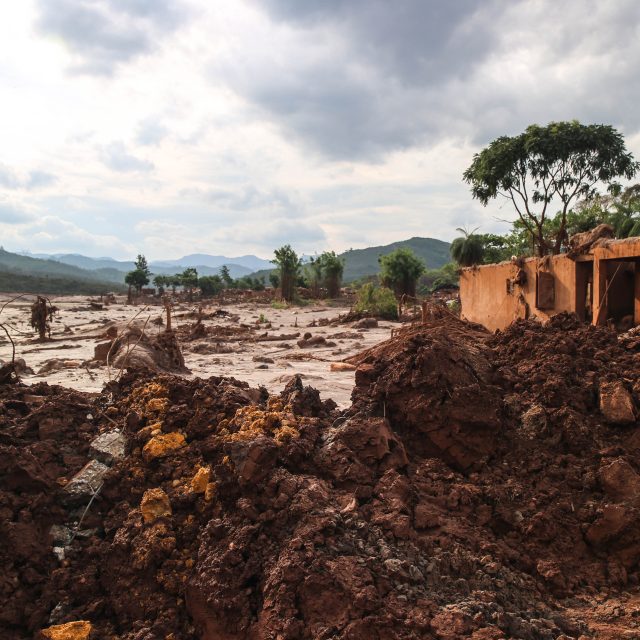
x,y
314,275
226,276
332,269
467,250
174,281
139,277
160,282
288,265
274,279
210,285
400,270
560,162
141,265
189,280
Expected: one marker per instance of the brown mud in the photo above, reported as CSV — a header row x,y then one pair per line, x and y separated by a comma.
x,y
480,486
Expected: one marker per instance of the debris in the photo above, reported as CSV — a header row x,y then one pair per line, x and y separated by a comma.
x,y
80,630
616,403
342,366
200,480
109,446
163,445
155,504
85,483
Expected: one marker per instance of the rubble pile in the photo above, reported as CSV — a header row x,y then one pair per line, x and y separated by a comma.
x,y
480,486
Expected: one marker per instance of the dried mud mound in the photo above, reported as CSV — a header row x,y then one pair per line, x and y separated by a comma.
x,y
436,387
479,487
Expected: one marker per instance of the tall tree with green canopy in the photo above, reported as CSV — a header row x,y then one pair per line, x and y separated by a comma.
x,y
468,249
210,285
561,162
288,263
400,271
226,276
332,270
189,280
140,276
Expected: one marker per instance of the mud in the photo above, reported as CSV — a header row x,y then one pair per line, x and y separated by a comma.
x,y
479,486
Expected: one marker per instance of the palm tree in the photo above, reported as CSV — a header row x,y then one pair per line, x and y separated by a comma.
x,y
467,250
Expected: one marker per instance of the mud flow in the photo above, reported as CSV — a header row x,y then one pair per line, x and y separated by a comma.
x,y
479,486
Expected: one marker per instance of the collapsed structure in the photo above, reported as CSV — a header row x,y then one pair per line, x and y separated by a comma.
x,y
598,280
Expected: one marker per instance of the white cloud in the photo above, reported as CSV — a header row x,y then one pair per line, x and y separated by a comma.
x,y
238,125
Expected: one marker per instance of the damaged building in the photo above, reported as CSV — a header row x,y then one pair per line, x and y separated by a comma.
x,y
599,282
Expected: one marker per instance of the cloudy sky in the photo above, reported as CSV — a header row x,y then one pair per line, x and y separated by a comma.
x,y
235,126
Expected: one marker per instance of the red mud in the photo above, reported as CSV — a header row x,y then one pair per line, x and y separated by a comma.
x,y
473,490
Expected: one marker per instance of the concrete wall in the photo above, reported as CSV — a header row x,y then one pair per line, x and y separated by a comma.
x,y
487,299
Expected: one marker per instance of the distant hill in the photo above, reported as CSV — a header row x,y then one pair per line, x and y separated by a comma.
x,y
24,273
26,265
359,263
250,262
206,265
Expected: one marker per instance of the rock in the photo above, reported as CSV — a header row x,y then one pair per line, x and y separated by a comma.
x,y
620,480
163,445
21,367
155,504
79,630
534,422
200,480
314,341
60,535
85,483
613,520
365,375
264,359
254,460
109,446
366,323
101,351
616,403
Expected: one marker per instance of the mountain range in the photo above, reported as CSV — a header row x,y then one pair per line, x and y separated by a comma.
x,y
205,264
56,273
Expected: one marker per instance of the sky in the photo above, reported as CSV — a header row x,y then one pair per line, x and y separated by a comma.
x,y
236,126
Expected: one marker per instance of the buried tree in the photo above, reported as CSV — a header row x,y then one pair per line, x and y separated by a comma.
x,y
288,265
558,163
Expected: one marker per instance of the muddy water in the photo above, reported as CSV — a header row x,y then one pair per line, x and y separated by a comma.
x,y
77,328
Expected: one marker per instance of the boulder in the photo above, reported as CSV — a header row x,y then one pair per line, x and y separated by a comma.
x,y
620,481
616,403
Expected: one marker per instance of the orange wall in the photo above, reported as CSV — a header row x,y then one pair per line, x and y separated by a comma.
x,y
484,297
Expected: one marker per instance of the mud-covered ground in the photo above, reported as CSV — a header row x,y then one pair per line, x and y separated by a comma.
x,y
251,341
479,486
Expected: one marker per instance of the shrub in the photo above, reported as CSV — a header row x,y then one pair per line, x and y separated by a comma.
x,y
376,301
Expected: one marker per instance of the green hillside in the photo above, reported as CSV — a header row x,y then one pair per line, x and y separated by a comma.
x,y
13,262
24,274
359,263
11,282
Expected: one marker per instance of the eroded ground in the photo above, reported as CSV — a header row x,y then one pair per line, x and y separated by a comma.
x,y
243,341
